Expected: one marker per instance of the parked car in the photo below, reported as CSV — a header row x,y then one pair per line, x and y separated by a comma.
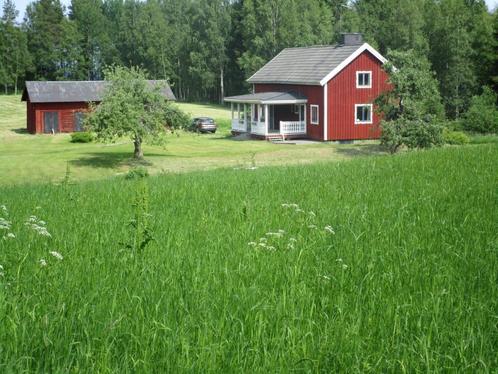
x,y
204,124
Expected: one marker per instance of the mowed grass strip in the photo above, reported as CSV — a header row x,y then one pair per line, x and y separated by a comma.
x,y
26,159
383,265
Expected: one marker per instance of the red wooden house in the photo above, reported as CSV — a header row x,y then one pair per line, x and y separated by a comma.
x,y
322,93
59,106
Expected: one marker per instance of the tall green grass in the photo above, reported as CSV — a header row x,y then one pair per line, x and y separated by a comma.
x,y
404,279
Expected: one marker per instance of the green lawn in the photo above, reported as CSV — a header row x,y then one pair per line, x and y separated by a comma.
x,y
28,158
385,265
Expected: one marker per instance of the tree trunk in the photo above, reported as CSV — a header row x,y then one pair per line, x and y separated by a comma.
x,y
222,86
138,154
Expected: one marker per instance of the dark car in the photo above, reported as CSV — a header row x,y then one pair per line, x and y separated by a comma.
x,y
204,124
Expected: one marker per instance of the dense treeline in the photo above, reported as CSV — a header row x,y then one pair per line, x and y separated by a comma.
x,y
206,48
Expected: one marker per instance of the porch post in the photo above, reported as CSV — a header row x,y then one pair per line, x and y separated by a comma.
x,y
238,112
266,118
231,109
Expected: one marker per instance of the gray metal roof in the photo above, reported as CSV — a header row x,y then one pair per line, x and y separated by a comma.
x,y
307,65
269,98
76,91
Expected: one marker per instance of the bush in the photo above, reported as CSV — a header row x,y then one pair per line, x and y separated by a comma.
x,y
176,118
410,133
482,116
455,137
82,137
138,172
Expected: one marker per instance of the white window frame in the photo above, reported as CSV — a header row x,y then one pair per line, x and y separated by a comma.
x,y
356,121
358,79
317,114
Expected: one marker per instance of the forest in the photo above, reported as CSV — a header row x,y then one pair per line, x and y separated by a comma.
x,y
207,48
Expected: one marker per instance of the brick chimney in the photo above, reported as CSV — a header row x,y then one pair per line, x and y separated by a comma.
x,y
351,38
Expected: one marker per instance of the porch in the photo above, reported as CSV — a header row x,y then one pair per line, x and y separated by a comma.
x,y
269,114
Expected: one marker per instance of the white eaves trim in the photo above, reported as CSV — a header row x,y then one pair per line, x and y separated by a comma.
x,y
346,62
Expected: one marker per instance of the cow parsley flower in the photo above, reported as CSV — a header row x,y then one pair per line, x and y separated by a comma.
x,y
57,255
313,227
42,262
4,224
4,209
329,229
10,235
252,244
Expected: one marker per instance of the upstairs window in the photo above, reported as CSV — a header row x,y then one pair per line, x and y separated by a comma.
x,y
363,114
363,79
314,115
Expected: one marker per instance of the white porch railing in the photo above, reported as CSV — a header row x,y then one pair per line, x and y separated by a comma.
x,y
239,125
292,128
258,128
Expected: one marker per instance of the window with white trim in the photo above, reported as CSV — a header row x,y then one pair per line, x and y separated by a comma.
x,y
314,114
363,79
363,114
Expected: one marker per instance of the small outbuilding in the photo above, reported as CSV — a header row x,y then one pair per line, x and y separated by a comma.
x,y
59,106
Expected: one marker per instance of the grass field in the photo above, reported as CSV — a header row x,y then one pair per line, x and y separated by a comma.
x,y
28,158
404,279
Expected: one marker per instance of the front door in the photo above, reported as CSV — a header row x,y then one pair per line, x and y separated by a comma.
x,y
78,121
50,122
271,123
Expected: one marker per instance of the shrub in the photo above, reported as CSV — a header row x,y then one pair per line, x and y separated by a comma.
x,y
455,137
82,137
410,133
137,172
175,118
482,116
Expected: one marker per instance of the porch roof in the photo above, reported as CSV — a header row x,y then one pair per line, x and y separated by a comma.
x,y
269,98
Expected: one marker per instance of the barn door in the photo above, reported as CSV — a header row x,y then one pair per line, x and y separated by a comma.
x,y
50,122
78,121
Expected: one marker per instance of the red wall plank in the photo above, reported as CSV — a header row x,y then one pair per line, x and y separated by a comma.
x,y
343,95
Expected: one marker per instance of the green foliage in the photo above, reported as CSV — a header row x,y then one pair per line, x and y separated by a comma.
x,y
137,173
455,137
132,108
410,133
414,91
82,137
415,235
482,116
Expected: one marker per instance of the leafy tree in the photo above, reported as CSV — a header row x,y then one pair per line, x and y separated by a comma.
x,y
92,37
14,56
45,30
131,107
482,115
413,107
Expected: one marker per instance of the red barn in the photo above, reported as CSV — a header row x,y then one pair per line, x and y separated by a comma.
x,y
322,93
59,106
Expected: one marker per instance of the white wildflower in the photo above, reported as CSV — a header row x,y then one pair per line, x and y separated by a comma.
x,y
43,262
312,214
285,205
38,207
329,229
326,277
4,209
263,239
299,210
275,234
339,260
271,248
293,240
313,227
1,268
281,231
57,255
251,244
262,244
290,246
10,235
344,266
4,224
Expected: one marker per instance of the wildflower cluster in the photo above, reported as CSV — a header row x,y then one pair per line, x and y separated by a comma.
x,y
5,224
38,226
308,217
274,240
